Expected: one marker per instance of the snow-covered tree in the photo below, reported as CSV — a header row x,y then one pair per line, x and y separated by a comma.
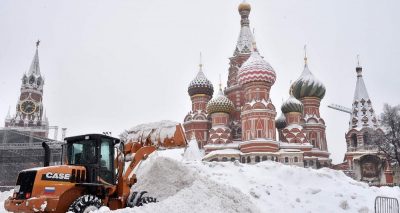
x,y
389,142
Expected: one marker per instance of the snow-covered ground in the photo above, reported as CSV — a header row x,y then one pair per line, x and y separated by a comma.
x,y
3,197
195,186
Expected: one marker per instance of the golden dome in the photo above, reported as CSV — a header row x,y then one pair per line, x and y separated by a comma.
x,y
244,6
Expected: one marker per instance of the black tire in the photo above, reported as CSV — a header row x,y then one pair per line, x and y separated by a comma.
x,y
85,204
138,199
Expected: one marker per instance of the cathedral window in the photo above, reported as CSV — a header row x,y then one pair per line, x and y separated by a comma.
x,y
224,159
286,160
354,142
257,159
311,163
296,159
264,158
259,133
233,159
248,159
366,139
243,160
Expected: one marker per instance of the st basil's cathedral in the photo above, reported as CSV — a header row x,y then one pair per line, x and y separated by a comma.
x,y
241,123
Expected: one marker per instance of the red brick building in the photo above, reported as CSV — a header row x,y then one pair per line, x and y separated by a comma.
x,y
239,123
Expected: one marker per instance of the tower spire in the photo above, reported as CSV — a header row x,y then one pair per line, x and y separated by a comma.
x,y
305,55
244,43
35,68
201,62
8,114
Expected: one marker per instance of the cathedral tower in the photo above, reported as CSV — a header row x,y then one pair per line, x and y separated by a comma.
x,y
219,109
197,121
256,76
310,91
29,109
293,132
242,52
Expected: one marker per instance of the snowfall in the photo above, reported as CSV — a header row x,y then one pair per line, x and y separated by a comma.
x,y
183,183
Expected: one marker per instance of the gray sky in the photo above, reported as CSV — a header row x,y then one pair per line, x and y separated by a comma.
x,y
109,65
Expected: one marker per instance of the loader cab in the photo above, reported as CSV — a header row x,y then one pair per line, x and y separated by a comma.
x,y
96,153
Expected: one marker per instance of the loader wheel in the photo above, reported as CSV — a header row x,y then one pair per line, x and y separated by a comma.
x,y
138,199
85,204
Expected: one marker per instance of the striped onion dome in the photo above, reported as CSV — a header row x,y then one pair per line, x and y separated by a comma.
x,y
220,103
200,85
292,105
308,86
280,122
256,69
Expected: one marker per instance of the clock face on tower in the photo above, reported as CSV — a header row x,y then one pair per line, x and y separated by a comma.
x,y
28,107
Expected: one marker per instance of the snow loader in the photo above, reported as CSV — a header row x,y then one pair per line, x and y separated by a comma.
x,y
92,175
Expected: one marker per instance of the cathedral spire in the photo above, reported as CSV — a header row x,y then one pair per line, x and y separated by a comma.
x,y
305,56
363,114
244,43
35,68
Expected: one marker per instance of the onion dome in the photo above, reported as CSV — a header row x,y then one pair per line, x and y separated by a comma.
x,y
307,85
256,69
280,122
220,104
200,85
292,105
244,6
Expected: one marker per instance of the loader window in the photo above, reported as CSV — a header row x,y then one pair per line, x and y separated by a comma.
x,y
106,160
82,152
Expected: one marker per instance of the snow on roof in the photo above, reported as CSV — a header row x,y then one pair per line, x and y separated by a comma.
x,y
223,152
157,131
234,145
285,145
244,44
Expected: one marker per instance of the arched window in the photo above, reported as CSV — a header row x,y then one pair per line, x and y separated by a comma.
x,y
243,160
305,164
366,138
286,160
264,158
248,159
354,140
233,159
224,159
296,159
257,159
311,163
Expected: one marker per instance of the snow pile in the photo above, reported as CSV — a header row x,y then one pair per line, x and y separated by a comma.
x,y
264,187
197,186
4,196
157,131
192,152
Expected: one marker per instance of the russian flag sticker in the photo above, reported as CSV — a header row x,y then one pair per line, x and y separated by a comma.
x,y
49,189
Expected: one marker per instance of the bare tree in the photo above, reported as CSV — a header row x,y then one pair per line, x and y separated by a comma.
x,y
389,142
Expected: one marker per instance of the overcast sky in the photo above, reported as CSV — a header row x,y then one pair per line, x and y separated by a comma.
x,y
109,65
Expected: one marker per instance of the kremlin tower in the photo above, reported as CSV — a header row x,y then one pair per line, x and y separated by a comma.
x,y
30,115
